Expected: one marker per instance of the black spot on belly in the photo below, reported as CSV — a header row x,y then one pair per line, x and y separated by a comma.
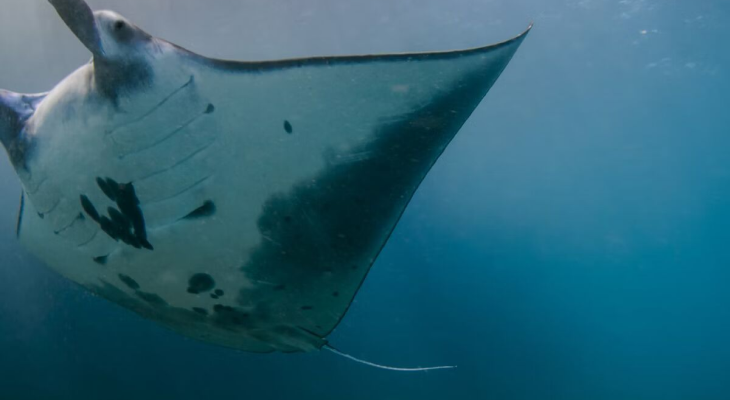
x,y
119,219
108,190
131,283
210,109
126,223
214,296
206,210
201,311
221,307
151,298
287,127
128,204
279,288
200,283
108,227
335,294
101,260
89,208
306,308
230,317
219,292
122,228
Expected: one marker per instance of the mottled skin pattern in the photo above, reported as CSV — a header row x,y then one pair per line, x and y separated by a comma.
x,y
240,203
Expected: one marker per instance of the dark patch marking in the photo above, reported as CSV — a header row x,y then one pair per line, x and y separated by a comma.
x,y
288,128
228,316
335,294
279,288
151,298
115,78
210,109
131,283
306,308
108,190
121,228
342,217
206,210
221,307
119,219
201,311
89,208
128,204
108,228
214,296
200,283
222,328
127,223
101,260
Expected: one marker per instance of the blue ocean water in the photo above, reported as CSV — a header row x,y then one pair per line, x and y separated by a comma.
x,y
571,243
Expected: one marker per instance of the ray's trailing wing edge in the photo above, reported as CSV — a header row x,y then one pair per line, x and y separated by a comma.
x,y
239,203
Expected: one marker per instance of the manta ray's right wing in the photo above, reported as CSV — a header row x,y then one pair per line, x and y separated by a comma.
x,y
330,152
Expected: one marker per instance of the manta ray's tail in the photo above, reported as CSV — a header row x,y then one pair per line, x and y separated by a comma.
x,y
339,353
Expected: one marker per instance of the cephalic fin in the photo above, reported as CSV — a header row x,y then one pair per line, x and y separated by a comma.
x,y
15,110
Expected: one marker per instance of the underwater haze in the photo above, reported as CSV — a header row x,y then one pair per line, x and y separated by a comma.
x,y
571,243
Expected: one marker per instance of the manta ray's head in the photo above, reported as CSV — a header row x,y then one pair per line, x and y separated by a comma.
x,y
108,35
124,62
121,51
120,40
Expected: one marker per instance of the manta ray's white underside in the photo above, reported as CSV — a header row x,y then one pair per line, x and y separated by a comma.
x,y
267,189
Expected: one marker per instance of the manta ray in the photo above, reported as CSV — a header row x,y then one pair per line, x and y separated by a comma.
x,y
238,203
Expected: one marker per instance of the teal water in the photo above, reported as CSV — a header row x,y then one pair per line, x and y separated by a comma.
x,y
570,244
